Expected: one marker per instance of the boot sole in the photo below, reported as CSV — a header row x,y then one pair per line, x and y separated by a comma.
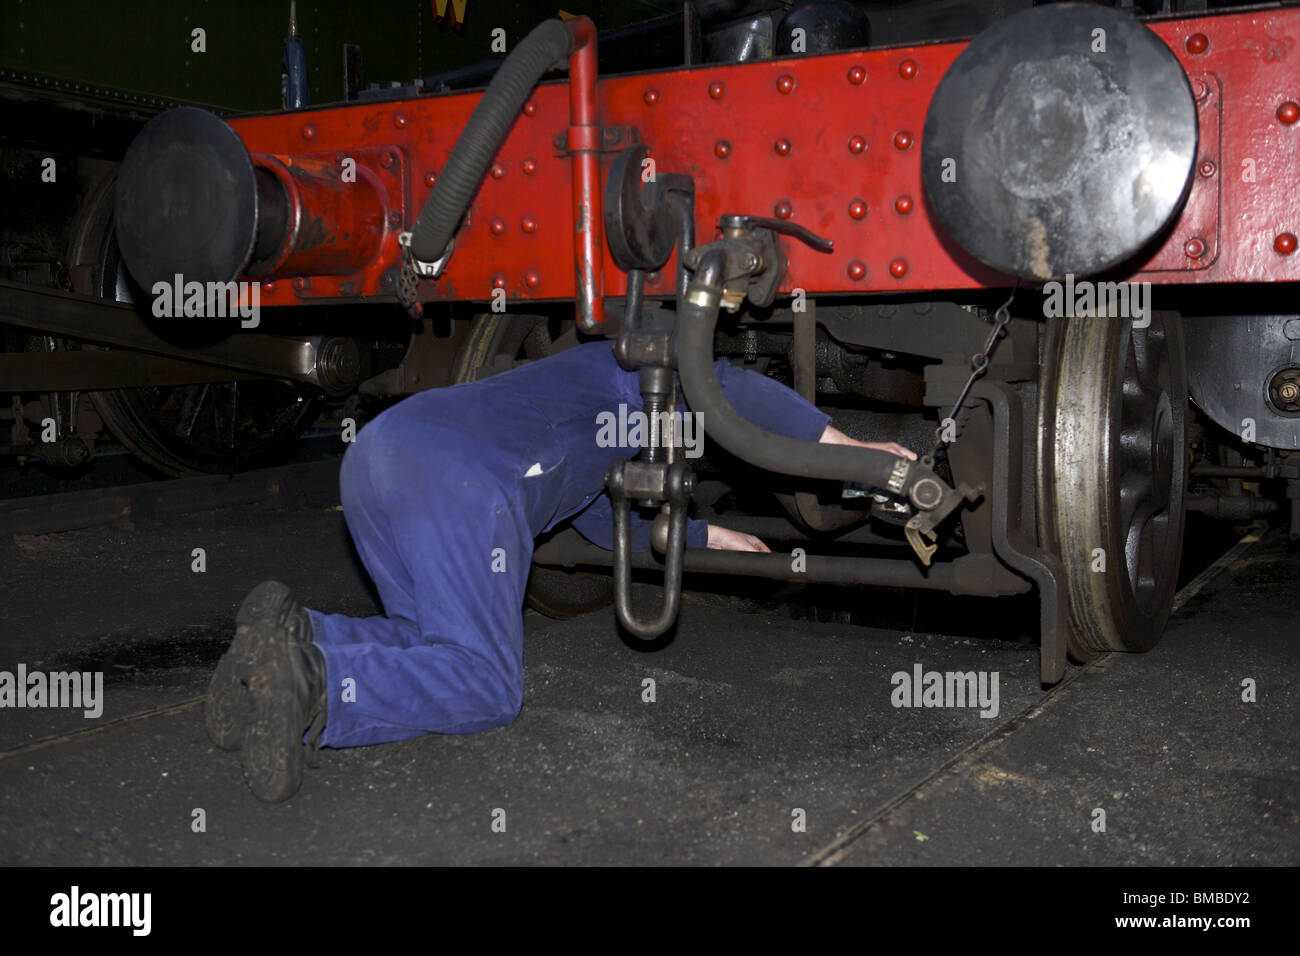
x,y
258,621
273,750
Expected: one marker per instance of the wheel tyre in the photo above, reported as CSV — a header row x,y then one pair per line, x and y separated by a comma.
x,y
1113,417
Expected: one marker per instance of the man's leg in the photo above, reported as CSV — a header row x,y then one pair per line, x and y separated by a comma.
x,y
449,553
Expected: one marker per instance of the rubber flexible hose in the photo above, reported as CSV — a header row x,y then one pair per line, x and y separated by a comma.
x,y
486,130
697,316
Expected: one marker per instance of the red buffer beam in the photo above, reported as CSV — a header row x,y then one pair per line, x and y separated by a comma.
x,y
830,142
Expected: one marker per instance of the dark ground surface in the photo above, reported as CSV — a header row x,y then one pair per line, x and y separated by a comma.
x,y
758,714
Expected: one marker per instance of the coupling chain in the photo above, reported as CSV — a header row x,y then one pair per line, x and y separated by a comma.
x,y
979,364
408,288
413,270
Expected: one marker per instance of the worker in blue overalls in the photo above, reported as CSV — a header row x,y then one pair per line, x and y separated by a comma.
x,y
443,494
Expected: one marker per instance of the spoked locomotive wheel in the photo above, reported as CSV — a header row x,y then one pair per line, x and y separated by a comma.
x,y
1112,462
210,428
495,342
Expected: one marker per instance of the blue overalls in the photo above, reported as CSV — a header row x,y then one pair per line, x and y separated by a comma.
x,y
443,494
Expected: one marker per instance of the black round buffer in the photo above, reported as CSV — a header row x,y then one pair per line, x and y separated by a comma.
x,y
1061,140
187,200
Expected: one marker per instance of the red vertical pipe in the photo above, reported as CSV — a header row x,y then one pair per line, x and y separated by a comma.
x,y
584,142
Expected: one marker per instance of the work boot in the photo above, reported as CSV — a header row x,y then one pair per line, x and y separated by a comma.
x,y
267,610
286,694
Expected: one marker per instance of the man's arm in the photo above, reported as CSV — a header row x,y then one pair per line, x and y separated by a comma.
x,y
596,524
833,436
770,405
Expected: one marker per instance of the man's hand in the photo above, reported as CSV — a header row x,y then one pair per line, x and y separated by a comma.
x,y
833,436
724,539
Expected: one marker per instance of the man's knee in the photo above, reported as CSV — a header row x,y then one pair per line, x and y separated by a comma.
x,y
514,698
504,689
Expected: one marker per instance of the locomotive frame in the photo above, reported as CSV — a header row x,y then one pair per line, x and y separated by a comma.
x,y
1074,440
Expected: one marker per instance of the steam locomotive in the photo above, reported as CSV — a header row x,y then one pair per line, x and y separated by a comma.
x,y
1056,259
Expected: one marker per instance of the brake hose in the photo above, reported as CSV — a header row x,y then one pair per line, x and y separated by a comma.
x,y
486,130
